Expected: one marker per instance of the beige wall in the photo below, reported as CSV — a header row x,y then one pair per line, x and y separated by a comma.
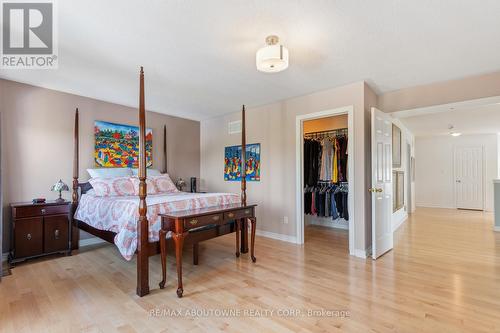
x,y
474,87
435,181
325,124
37,140
273,126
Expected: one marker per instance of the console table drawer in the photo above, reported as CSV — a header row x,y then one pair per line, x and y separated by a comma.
x,y
238,214
200,221
28,211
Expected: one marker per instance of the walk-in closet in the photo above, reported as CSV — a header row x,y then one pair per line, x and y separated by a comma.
x,y
325,166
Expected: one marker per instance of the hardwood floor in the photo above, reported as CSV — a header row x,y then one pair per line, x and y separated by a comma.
x,y
442,276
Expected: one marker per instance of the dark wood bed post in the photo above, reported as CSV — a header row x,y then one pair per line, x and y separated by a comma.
x,y
243,159
75,232
243,222
165,165
143,227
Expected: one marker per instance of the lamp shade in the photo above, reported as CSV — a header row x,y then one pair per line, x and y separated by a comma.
x,y
272,58
59,187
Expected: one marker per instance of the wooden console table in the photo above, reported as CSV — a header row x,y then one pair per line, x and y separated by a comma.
x,y
182,222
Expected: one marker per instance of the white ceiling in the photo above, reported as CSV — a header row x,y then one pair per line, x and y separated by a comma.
x,y
471,117
199,56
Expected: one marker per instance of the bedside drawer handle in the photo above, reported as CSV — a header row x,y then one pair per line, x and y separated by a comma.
x,y
43,210
56,234
215,218
247,211
230,215
193,222
28,236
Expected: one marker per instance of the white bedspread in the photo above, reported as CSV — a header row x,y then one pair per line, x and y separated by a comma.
x,y
120,214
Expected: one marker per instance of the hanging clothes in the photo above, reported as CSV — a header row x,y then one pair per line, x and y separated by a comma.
x,y
312,160
342,158
335,165
325,176
326,159
327,201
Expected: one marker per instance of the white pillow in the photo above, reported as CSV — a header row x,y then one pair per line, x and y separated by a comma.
x,y
149,172
110,172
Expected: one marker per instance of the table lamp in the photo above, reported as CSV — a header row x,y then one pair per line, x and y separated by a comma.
x,y
59,187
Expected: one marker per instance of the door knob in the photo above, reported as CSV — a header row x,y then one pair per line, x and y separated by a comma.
x,y
373,190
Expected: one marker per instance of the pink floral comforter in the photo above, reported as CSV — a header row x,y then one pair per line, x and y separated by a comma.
x,y
119,214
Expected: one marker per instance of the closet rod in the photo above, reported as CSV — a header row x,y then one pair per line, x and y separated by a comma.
x,y
335,131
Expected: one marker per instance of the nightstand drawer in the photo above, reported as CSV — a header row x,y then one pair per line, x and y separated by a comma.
x,y
28,211
200,221
28,237
55,231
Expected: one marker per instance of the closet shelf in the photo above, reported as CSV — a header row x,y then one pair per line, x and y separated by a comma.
x,y
321,134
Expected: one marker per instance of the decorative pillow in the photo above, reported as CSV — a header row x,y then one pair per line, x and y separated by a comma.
x,y
110,172
117,186
149,172
164,184
149,183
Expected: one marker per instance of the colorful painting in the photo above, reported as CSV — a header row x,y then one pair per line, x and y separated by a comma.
x,y
117,146
232,163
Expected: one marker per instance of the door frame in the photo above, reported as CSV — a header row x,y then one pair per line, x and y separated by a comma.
x,y
483,173
299,155
409,200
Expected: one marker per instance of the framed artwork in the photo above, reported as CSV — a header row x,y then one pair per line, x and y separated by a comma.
x,y
117,146
396,146
232,163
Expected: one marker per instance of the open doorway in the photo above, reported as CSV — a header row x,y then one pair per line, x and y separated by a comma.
x,y
456,153
325,178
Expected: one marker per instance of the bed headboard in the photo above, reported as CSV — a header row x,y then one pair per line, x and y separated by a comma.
x,y
84,187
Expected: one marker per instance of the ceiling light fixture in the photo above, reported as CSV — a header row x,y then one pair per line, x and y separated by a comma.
x,y
453,133
272,58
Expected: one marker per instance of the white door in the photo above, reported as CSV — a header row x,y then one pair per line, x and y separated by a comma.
x,y
469,177
381,189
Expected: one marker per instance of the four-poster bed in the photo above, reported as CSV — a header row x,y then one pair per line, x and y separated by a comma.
x,y
144,223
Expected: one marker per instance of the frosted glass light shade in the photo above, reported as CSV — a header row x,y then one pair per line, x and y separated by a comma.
x,y
272,58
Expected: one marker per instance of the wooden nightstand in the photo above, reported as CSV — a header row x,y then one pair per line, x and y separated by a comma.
x,y
39,229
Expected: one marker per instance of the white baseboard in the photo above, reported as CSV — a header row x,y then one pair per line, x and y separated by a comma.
x,y
360,253
397,224
369,252
431,205
331,224
90,241
281,237
496,228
